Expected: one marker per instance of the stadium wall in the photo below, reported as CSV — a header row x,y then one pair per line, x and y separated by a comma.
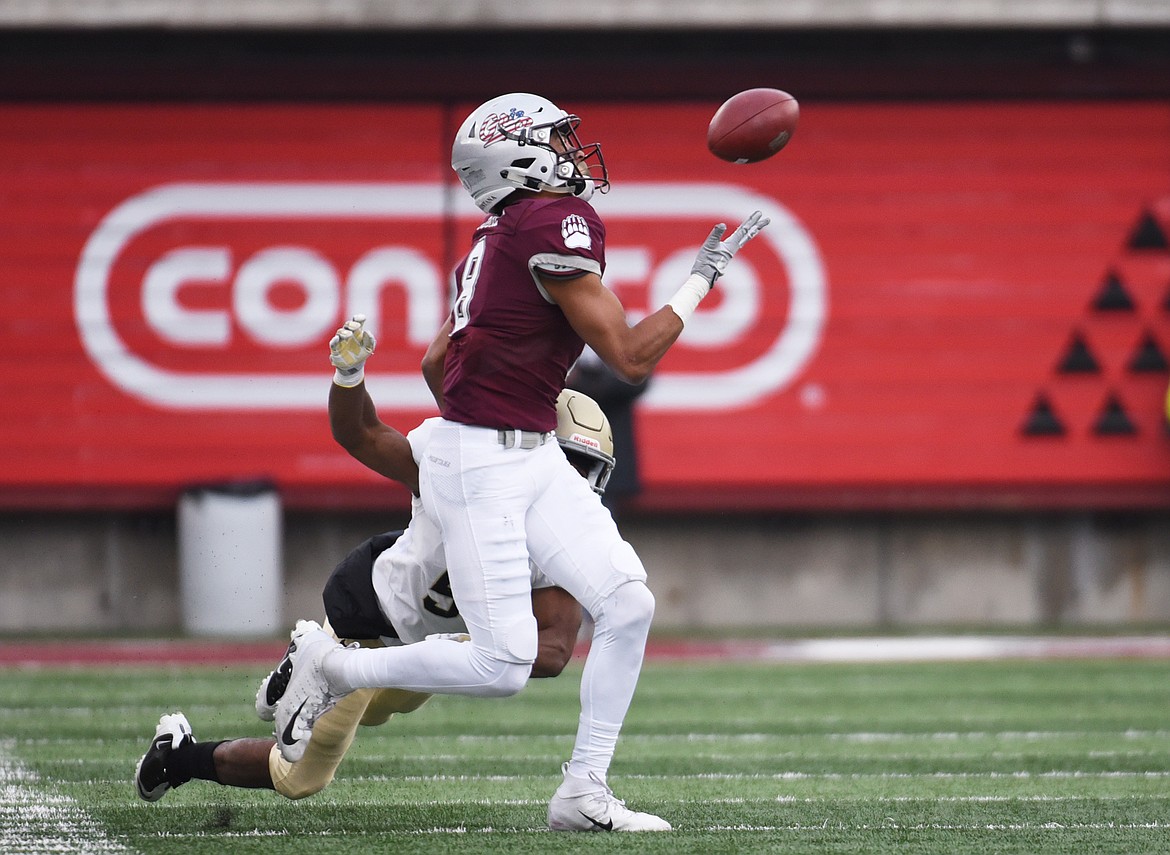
x,y
986,209
118,572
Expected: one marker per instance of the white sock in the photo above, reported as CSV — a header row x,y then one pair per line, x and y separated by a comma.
x,y
610,678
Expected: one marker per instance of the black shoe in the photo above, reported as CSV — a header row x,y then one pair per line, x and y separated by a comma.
x,y
150,776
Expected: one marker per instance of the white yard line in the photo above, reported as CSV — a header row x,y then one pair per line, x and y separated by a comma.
x,y
933,826
732,738
459,830
34,820
962,648
1070,774
889,825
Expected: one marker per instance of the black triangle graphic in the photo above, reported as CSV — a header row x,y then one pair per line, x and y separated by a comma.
x,y
1148,357
1043,421
1147,234
1078,359
1113,296
1113,420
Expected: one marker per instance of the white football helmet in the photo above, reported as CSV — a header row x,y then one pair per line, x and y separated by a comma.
x,y
524,142
584,434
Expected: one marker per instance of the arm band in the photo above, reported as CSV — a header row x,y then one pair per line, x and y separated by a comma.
x,y
351,379
686,299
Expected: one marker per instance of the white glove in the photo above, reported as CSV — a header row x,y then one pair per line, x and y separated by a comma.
x,y
714,256
348,351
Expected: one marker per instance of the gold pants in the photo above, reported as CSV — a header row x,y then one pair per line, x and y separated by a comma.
x,y
333,734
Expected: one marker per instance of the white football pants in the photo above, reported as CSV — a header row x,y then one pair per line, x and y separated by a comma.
x,y
497,506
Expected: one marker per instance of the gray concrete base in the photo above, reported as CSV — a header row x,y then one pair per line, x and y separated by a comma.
x,y
118,572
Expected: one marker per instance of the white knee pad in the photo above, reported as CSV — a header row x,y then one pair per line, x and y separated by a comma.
x,y
625,563
630,608
520,641
505,668
500,679
512,678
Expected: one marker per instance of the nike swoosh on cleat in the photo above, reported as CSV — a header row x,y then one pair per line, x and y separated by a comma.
x,y
286,735
601,826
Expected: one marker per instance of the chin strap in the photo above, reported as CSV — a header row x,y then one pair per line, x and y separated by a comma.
x,y
529,182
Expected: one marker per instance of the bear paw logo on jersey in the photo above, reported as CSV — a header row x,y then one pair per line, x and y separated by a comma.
x,y
492,129
575,232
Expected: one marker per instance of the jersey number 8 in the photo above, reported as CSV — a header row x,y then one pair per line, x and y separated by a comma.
x,y
467,282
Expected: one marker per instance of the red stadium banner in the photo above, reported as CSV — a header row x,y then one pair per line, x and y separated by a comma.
x,y
955,305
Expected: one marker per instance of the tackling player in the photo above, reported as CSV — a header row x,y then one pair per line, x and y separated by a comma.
x,y
392,589
530,295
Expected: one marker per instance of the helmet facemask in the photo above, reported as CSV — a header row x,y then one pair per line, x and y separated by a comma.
x,y
578,169
595,466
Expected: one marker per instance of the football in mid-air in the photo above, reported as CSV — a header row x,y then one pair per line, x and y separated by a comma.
x,y
752,125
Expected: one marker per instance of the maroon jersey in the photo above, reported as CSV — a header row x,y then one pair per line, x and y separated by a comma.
x,y
511,345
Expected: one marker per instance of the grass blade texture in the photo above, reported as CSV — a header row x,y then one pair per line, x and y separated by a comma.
x,y
974,757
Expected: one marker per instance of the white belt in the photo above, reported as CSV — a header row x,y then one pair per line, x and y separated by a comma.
x,y
522,438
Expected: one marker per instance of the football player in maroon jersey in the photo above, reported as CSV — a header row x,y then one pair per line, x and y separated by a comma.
x,y
530,295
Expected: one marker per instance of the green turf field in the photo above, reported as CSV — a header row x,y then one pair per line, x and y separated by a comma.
x,y
1028,757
